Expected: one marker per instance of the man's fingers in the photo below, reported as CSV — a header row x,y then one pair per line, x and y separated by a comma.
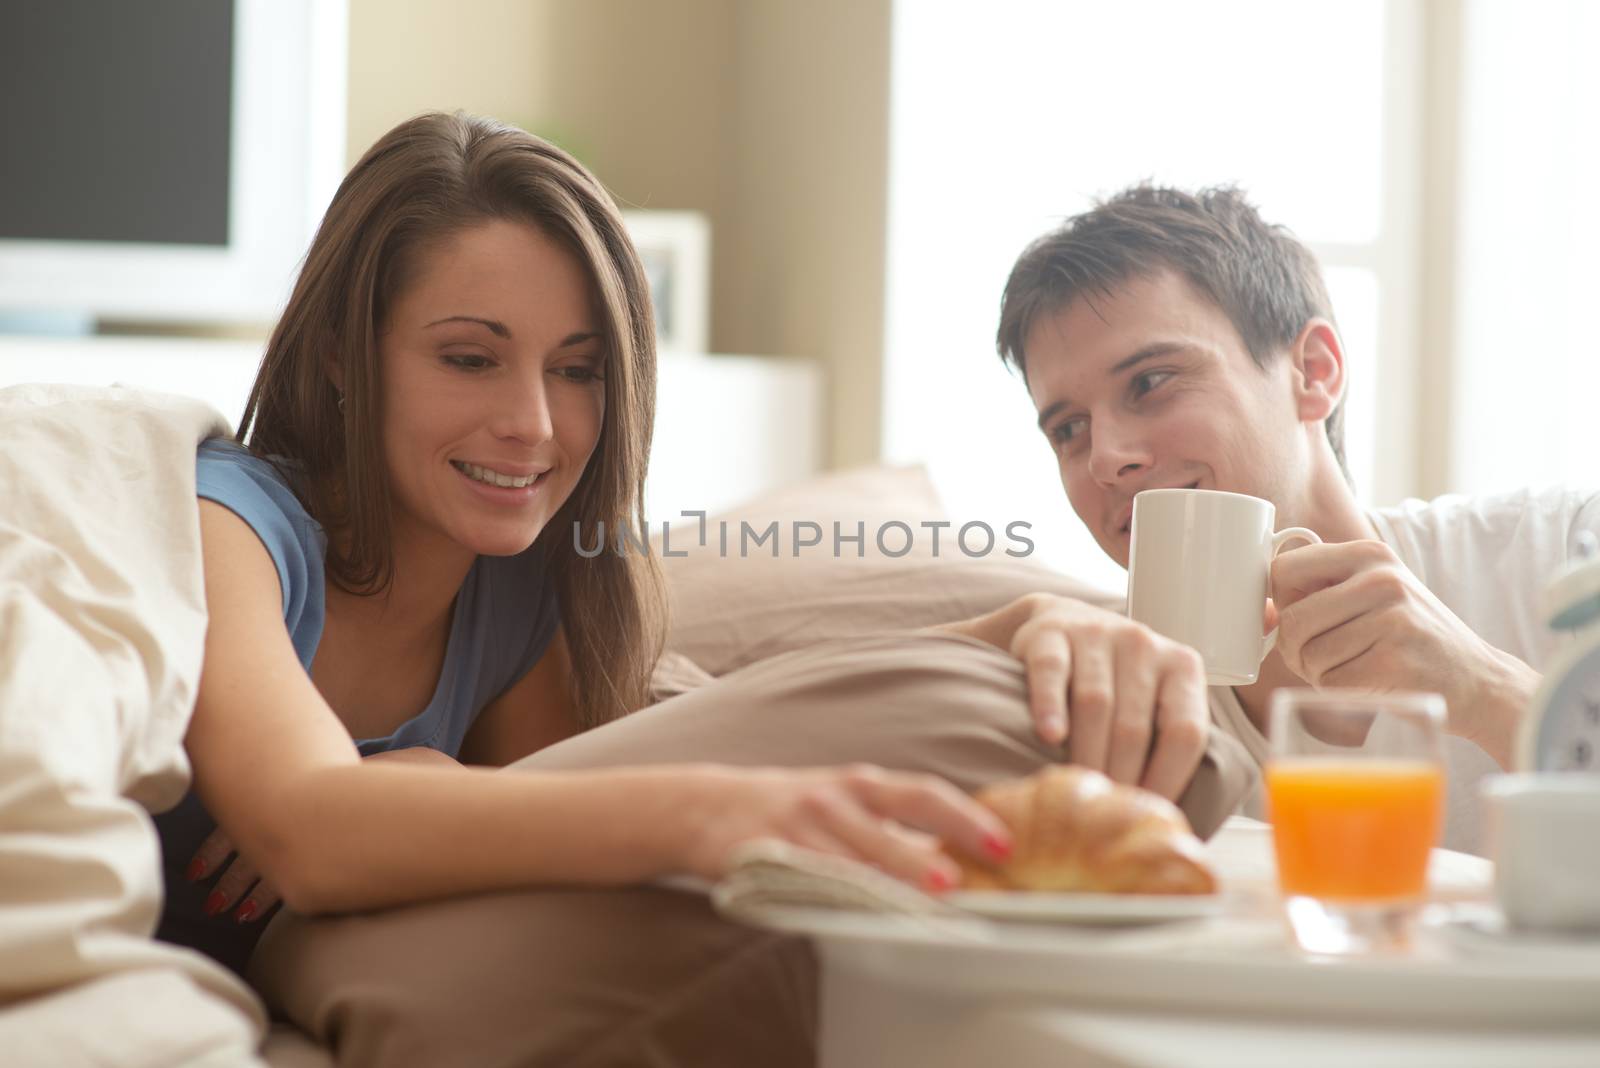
x,y
1344,656
1299,572
1048,659
1182,727
1134,698
1089,696
1303,624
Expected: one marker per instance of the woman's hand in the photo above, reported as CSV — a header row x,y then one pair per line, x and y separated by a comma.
x,y
1132,702
241,878
891,820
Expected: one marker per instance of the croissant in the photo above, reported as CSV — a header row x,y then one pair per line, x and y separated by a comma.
x,y
1076,830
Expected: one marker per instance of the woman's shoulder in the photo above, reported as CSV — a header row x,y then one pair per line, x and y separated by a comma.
x,y
257,491
219,460
232,475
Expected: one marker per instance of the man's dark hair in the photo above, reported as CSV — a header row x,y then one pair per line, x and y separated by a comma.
x,y
1266,282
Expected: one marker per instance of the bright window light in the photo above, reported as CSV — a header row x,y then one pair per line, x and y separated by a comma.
x,y
1007,117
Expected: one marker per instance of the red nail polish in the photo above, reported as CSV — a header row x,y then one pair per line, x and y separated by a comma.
x,y
997,847
937,881
216,902
196,871
246,912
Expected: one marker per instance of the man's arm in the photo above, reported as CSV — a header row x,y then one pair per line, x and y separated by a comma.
x,y
1351,614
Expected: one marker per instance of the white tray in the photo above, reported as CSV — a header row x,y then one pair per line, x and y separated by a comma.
x,y
1238,967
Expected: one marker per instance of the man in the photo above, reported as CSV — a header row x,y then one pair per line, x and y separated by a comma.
x,y
1170,339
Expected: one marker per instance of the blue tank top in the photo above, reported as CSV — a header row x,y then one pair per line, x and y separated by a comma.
x,y
504,618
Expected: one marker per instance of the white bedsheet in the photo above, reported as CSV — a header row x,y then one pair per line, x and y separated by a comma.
x,y
102,624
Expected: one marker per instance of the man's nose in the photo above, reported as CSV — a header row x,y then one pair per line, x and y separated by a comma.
x,y
1116,451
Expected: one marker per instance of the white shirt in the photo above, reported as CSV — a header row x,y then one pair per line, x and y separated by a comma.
x,y
1488,560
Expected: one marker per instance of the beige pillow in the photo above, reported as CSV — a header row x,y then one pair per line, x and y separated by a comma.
x,y
731,609
644,976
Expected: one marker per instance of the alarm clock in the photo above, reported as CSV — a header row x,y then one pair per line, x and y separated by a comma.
x,y
1562,728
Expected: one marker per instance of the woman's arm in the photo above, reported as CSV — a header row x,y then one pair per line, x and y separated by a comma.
x,y
276,767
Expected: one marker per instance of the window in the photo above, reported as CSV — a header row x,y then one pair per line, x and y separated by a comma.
x,y
1006,118
1527,372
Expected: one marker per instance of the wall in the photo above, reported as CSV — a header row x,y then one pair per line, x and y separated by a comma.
x,y
807,247
770,116
408,56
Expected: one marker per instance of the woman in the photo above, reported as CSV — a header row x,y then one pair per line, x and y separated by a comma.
x,y
464,371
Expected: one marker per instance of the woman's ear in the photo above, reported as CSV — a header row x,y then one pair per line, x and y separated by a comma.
x,y
1318,371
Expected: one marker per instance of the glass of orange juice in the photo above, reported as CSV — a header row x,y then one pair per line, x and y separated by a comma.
x,y
1355,792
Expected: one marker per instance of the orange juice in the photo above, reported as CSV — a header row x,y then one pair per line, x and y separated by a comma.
x,y
1354,830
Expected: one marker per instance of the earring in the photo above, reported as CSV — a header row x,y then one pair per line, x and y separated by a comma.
x,y
341,401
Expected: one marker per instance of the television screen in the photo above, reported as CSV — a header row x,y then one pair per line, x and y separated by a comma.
x,y
117,124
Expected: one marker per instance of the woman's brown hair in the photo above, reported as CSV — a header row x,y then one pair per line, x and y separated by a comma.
x,y
426,179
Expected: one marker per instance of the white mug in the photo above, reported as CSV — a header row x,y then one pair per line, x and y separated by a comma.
x,y
1546,854
1198,566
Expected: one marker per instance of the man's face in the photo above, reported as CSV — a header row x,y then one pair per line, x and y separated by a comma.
x,y
1152,387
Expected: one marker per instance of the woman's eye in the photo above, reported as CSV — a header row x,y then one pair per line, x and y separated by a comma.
x,y
1144,383
467,361
580,374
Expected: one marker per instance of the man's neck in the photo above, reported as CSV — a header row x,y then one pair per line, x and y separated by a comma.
x,y
1328,506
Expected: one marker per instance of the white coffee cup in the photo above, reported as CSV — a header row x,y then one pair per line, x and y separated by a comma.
x,y
1198,567
1547,856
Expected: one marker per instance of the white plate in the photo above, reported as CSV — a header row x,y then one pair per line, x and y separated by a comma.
x,y
1111,910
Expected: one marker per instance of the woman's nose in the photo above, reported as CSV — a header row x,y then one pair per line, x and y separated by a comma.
x,y
522,410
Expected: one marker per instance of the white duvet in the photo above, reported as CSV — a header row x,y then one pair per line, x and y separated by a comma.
x,y
102,624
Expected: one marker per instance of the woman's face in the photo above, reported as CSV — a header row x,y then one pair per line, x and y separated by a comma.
x,y
493,389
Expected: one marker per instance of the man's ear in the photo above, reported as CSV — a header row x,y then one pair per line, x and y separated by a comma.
x,y
1318,371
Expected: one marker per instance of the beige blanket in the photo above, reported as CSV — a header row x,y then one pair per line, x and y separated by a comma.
x,y
102,624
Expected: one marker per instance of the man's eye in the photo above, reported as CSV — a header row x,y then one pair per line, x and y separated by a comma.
x,y
1067,431
1144,383
466,361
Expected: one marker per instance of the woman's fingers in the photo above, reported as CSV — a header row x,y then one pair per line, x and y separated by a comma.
x,y
234,884
209,858
260,901
931,804
885,844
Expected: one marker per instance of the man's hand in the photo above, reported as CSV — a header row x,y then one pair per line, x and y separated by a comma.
x,y
1351,614
1107,686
